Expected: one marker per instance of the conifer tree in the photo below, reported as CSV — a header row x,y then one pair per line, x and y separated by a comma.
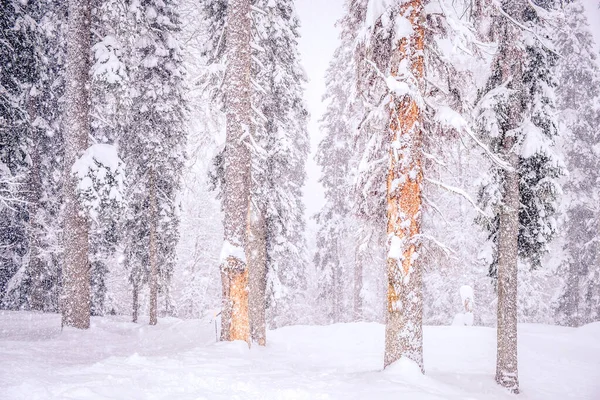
x,y
337,161
110,105
278,147
153,149
279,152
236,158
516,116
578,92
75,303
17,76
35,285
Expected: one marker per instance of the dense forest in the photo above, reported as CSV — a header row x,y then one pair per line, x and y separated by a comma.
x,y
153,162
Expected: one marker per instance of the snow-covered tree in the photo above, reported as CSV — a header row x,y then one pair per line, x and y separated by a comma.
x,y
236,172
279,152
336,157
516,115
278,145
109,117
578,95
153,149
17,76
75,301
36,283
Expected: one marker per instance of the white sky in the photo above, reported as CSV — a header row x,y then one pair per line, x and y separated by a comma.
x,y
593,15
318,41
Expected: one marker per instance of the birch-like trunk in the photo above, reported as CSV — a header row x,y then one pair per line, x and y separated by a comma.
x,y
404,316
153,251
234,271
257,273
75,302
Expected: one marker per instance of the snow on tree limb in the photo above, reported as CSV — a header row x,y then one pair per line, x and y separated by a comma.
x,y
459,192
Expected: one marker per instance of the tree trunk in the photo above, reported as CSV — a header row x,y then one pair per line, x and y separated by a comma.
x,y
236,191
257,270
508,233
35,268
153,251
358,283
510,59
136,302
337,287
76,268
404,330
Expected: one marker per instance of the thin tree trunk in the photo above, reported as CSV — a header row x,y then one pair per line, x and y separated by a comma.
x,y
153,252
404,329
136,302
35,268
337,289
257,270
236,191
76,269
358,283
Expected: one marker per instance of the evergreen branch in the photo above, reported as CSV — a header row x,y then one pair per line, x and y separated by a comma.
x,y
460,192
517,23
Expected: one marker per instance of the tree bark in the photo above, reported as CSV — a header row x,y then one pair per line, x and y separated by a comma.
x,y
358,283
404,317
76,268
35,267
257,272
510,59
153,251
508,233
136,303
236,191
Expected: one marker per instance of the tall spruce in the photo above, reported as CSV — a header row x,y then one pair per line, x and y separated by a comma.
x,y
336,158
278,145
153,148
109,115
517,118
578,92
236,175
75,301
279,151
35,285
18,73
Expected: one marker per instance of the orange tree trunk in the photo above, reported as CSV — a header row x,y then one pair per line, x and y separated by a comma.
x,y
404,332
236,189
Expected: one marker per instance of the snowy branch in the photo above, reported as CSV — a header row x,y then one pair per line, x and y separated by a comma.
x,y
460,192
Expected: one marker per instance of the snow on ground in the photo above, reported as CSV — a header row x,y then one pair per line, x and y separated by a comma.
x,y
180,359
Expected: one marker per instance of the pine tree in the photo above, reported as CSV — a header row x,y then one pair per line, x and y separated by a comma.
x,y
279,153
337,160
17,76
153,149
516,116
578,92
75,304
36,283
236,158
110,106
278,145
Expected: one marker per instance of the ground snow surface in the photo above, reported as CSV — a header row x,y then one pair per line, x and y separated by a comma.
x,y
178,359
